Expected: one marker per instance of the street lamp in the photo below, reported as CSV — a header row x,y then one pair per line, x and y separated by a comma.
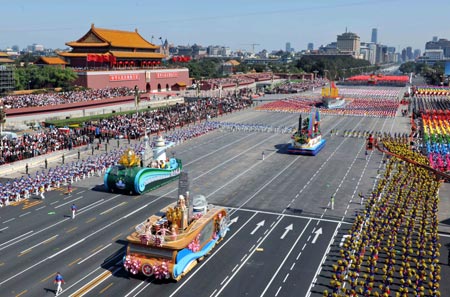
x,y
2,121
315,73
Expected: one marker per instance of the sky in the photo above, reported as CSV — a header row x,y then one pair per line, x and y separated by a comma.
x,y
233,23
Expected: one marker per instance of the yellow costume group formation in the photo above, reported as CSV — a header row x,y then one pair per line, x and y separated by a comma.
x,y
393,247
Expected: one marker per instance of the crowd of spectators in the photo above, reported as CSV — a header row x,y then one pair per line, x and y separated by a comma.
x,y
122,126
56,98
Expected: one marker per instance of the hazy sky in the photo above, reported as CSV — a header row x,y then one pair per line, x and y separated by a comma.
x,y
232,23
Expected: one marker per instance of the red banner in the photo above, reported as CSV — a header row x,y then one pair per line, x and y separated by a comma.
x,y
166,74
122,77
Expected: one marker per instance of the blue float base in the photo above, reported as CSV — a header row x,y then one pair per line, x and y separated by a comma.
x,y
307,151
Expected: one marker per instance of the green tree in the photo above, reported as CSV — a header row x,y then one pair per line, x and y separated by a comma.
x,y
36,77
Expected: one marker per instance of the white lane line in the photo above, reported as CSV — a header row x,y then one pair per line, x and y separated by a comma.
x,y
237,265
40,207
285,258
214,292
93,271
98,283
298,256
17,237
249,256
25,214
245,256
135,288
4,229
106,246
285,278
71,201
10,220
259,239
54,202
250,249
110,209
225,279
81,192
292,267
67,248
278,291
91,206
323,259
216,251
42,242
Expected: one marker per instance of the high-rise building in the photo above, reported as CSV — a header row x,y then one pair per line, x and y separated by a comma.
x,y
409,53
288,47
442,43
349,42
404,56
435,38
374,38
417,53
310,46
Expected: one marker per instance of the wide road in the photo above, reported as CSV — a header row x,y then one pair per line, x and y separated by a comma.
x,y
282,227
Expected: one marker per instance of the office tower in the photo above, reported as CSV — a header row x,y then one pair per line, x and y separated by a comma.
x,y
349,42
310,46
288,47
374,35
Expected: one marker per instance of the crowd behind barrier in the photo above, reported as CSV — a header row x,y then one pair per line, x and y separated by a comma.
x,y
392,247
48,140
56,98
47,180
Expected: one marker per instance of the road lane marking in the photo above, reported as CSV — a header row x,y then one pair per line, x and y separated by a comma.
x,y
225,279
21,293
68,202
91,255
278,291
91,220
249,256
192,274
109,210
94,283
73,262
54,202
245,256
106,288
323,259
25,214
47,278
3,229
285,258
292,267
42,242
214,292
116,237
17,237
237,265
10,220
71,229
66,248
40,207
285,278
24,253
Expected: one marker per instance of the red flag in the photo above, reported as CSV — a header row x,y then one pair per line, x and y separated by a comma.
x,y
106,58
100,58
90,57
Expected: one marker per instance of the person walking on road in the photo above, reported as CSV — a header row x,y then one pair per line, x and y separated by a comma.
x,y
69,188
263,155
58,281
73,208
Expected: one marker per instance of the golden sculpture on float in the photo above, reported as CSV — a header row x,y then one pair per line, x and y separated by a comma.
x,y
129,159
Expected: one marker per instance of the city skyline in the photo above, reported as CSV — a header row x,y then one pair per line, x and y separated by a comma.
x,y
234,24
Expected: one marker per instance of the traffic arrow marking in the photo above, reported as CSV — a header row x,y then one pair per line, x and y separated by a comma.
x,y
259,225
233,220
317,233
288,228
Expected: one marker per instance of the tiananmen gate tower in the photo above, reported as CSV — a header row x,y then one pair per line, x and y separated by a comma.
x,y
114,58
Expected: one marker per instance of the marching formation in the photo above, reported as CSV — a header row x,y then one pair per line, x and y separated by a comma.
x,y
393,244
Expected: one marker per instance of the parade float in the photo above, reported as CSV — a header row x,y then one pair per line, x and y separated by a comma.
x,y
131,177
170,243
308,138
331,98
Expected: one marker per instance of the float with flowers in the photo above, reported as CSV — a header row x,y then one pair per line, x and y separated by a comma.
x,y
169,244
308,138
129,177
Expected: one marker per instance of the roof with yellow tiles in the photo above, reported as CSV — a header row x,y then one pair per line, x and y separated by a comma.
x,y
3,55
114,38
51,61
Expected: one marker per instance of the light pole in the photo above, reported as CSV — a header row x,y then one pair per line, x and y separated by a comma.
x,y
315,73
